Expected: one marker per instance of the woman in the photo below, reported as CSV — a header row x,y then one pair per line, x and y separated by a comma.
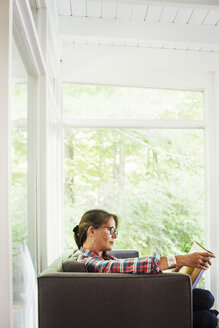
x,y
95,236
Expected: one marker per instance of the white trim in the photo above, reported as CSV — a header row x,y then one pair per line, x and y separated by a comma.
x,y
49,238
41,3
30,48
212,188
214,174
114,123
59,193
42,175
5,231
32,168
54,49
25,32
48,35
209,177
40,54
149,78
53,114
54,221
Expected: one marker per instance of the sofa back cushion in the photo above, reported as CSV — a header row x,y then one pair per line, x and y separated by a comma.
x,y
71,265
124,253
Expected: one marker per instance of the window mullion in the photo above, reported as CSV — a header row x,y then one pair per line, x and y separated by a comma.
x,y
118,123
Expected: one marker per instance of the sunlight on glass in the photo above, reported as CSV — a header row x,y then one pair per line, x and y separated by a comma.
x,y
24,277
116,102
153,179
19,101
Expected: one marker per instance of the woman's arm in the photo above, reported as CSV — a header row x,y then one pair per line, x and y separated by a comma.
x,y
150,264
194,260
130,265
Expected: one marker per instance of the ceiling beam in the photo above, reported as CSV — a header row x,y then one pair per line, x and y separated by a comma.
x,y
84,61
74,27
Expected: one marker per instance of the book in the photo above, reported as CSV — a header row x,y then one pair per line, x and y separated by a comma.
x,y
195,273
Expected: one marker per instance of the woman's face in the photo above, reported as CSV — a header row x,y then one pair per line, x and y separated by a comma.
x,y
103,240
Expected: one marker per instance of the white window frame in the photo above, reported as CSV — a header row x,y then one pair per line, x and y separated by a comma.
x,y
5,237
26,38
40,52
34,47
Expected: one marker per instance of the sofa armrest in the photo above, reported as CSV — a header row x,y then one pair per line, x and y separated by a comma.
x,y
84,300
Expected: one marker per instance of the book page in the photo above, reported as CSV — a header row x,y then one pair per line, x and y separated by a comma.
x,y
193,272
196,247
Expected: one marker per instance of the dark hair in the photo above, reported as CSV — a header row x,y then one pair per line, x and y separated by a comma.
x,y
95,218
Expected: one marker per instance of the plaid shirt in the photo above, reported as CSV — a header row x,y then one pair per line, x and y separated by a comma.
x,y
131,265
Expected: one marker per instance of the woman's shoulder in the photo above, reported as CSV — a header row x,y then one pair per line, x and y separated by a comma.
x,y
75,254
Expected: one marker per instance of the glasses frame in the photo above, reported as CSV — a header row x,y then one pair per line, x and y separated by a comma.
x,y
112,230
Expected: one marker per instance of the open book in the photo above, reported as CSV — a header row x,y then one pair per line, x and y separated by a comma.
x,y
195,273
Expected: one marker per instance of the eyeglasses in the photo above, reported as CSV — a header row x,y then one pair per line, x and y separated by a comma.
x,y
112,230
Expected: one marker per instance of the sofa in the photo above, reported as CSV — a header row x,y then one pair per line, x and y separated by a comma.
x,y
70,297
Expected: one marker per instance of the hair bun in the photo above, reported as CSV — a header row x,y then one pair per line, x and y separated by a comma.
x,y
76,229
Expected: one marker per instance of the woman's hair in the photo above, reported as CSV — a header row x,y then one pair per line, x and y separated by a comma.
x,y
95,218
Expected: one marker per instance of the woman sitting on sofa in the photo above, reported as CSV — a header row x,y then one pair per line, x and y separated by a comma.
x,y
95,236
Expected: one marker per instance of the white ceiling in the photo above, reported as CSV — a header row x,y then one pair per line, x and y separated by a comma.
x,y
144,11
179,25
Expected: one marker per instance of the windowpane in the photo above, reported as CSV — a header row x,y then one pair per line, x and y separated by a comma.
x,y
24,277
19,101
153,179
105,102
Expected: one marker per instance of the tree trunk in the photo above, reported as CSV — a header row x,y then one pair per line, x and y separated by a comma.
x,y
121,168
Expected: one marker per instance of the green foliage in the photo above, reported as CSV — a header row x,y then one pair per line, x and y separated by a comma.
x,y
19,101
19,165
95,101
152,179
19,186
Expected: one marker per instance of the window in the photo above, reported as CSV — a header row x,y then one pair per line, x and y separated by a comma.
x,y
153,177
24,277
108,102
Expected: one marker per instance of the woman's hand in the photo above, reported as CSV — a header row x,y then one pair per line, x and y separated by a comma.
x,y
195,260
176,269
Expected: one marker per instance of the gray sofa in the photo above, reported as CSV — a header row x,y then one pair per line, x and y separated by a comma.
x,y
70,297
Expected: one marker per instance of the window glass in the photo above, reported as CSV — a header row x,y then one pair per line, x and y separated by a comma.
x,y
105,102
152,178
24,277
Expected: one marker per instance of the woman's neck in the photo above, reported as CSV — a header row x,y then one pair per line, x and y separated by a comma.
x,y
93,249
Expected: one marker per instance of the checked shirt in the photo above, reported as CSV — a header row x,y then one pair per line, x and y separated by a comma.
x,y
135,265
